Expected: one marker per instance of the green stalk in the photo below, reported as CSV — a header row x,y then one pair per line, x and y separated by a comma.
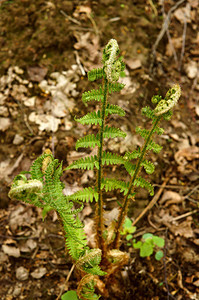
x,y
124,209
99,208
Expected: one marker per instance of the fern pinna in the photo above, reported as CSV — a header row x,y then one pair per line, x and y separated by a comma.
x,y
44,188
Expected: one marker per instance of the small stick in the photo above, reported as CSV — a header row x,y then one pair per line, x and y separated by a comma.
x,y
152,203
183,39
185,215
79,63
67,279
162,31
169,36
70,18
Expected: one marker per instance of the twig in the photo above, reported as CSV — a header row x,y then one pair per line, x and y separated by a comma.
x,y
79,63
169,37
69,18
162,31
152,203
183,38
185,215
153,7
66,281
165,268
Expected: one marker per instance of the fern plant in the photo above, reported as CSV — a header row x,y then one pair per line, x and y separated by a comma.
x,y
45,189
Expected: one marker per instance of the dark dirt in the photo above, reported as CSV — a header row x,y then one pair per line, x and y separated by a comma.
x,y
45,35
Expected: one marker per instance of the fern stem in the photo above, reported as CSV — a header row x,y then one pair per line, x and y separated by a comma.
x,y
99,208
124,208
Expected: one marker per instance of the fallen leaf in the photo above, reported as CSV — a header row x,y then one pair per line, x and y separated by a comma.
x,y
11,251
170,197
39,273
22,273
45,122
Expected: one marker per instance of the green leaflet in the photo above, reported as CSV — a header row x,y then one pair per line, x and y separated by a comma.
x,y
95,74
93,95
85,195
114,109
148,166
111,158
153,146
84,163
132,155
112,132
148,112
115,87
88,141
91,118
139,181
142,132
112,184
130,168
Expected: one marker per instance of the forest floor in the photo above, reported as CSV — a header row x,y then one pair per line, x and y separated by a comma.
x,y
48,45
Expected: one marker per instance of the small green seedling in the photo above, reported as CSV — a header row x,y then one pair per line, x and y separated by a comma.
x,y
128,230
147,245
70,295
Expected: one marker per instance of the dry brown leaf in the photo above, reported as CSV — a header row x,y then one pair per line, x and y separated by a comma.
x,y
183,229
170,197
186,154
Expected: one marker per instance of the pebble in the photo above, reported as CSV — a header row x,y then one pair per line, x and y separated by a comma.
x,y
18,139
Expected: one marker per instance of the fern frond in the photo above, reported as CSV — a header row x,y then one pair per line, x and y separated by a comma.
x,y
87,141
85,195
140,181
36,168
142,132
115,87
91,118
111,158
114,109
93,95
112,132
148,166
86,288
95,74
84,163
89,262
153,146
